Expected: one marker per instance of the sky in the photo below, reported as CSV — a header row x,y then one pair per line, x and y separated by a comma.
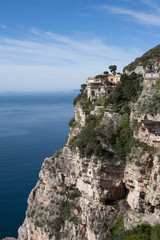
x,y
54,45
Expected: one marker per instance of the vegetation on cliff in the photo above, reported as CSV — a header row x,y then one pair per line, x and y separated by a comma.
x,y
87,140
82,96
148,58
141,232
52,217
127,91
97,140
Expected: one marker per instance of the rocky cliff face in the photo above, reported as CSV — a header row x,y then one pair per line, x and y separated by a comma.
x,y
82,190
70,199
142,179
147,113
142,172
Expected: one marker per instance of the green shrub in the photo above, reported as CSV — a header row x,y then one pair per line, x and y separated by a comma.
x,y
118,226
38,223
145,147
75,220
65,234
126,91
81,95
143,229
58,152
85,103
135,124
93,137
110,134
88,140
155,232
65,209
87,106
32,213
141,232
102,102
56,223
71,122
124,139
137,163
137,237
65,214
73,194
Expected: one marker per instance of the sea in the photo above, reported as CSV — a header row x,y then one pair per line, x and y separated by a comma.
x,y
32,127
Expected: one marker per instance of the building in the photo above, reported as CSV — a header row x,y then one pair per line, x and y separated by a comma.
x,y
95,87
151,76
114,79
94,80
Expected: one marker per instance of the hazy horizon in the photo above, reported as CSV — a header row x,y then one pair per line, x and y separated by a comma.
x,y
41,91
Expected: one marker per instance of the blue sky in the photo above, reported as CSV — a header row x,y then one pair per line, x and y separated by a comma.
x,y
56,44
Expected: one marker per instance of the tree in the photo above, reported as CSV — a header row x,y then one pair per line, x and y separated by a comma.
x,y
106,73
100,76
83,87
113,69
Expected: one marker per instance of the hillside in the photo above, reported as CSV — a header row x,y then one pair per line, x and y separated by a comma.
x,y
148,61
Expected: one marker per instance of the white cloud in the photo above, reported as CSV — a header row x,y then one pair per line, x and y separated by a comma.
x,y
53,61
54,48
141,17
152,4
3,26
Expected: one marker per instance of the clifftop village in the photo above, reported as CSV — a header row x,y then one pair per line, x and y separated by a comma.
x,y
98,86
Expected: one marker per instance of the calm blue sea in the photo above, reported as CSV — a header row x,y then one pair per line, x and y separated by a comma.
x,y
32,127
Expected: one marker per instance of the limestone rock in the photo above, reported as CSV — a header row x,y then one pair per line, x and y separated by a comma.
x,y
97,110
96,180
115,118
142,179
138,70
79,115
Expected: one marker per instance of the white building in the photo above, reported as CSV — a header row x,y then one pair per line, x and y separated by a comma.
x,y
151,76
95,87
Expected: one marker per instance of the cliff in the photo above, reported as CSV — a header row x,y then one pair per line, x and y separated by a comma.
x,y
108,170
